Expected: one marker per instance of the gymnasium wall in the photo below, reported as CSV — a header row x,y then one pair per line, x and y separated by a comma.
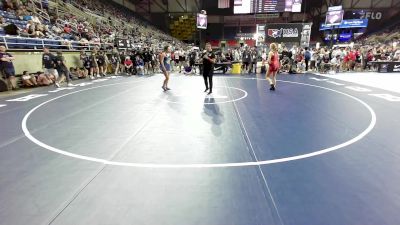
x,y
32,61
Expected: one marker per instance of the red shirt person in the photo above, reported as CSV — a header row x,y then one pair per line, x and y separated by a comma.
x,y
352,56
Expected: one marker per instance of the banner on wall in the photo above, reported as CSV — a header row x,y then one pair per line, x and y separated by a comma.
x,y
352,23
260,34
306,35
283,32
201,21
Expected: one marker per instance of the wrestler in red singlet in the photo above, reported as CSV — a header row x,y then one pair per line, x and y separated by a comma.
x,y
273,62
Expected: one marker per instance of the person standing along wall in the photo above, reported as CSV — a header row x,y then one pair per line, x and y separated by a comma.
x,y
101,62
115,61
146,60
7,67
62,69
307,57
94,67
49,63
254,59
246,60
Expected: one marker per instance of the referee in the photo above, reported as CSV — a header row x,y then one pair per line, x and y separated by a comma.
x,y
208,67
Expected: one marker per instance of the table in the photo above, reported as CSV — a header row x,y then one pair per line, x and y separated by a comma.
x,y
386,66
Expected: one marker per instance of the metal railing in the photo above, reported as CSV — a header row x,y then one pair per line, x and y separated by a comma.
x,y
39,11
24,43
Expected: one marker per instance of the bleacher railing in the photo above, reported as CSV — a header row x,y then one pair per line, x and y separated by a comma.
x,y
39,11
23,43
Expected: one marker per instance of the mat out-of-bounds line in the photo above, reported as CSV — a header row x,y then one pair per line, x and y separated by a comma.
x,y
204,165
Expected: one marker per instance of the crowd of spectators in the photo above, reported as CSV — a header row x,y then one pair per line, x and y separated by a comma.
x,y
385,36
101,21
110,21
297,60
17,18
337,59
95,22
83,21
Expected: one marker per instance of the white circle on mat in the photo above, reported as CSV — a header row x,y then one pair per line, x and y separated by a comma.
x,y
214,96
205,165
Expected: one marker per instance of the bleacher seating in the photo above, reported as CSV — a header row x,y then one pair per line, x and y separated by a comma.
x,y
106,23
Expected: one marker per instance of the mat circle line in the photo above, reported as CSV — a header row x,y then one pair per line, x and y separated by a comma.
x,y
210,96
203,165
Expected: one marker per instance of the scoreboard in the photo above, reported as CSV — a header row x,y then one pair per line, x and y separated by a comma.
x,y
266,6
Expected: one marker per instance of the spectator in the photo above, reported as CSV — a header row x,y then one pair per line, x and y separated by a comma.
x,y
8,5
3,22
94,67
351,59
147,59
11,29
106,63
115,61
128,65
28,80
325,63
254,59
307,57
7,67
42,80
358,59
301,67
32,30
313,59
335,63
246,59
101,62
299,56
139,65
346,63
49,63
62,69
153,61
122,60
192,59
20,14
85,62
396,56
77,73
82,74
188,69
45,5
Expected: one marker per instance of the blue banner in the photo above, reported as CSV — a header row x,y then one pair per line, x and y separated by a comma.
x,y
353,23
345,37
323,26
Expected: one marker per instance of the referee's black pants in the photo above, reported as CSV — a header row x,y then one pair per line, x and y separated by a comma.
x,y
208,78
307,61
